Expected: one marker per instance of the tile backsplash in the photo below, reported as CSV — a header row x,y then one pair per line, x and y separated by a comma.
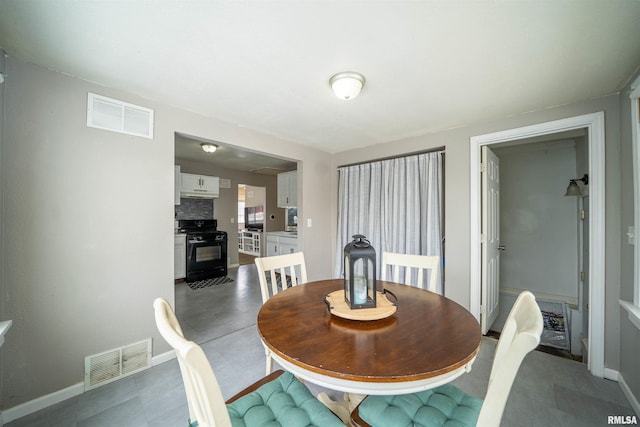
x,y
194,209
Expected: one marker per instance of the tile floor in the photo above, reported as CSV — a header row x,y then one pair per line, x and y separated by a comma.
x,y
548,390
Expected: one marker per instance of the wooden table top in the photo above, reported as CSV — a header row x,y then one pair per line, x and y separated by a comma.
x,y
428,336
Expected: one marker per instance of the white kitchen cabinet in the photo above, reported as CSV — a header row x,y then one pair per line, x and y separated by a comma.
x,y
281,244
288,189
179,256
177,180
249,242
272,245
288,245
199,186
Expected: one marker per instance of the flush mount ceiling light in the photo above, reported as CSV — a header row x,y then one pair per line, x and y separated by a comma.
x,y
347,85
209,148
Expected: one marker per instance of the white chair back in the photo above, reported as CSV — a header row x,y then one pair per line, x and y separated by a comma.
x,y
209,406
520,335
204,397
280,268
394,262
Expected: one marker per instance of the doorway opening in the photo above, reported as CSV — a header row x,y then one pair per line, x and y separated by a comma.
x,y
593,126
541,237
251,221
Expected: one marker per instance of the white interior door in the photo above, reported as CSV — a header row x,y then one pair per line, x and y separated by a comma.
x,y
490,240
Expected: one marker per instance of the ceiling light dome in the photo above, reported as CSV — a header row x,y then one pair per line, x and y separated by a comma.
x,y
209,148
347,85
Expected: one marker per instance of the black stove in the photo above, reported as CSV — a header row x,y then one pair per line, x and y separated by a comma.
x,y
206,249
193,226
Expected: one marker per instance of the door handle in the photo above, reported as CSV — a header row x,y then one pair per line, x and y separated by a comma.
x,y
502,248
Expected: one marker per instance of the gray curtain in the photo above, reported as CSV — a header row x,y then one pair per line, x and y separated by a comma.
x,y
396,204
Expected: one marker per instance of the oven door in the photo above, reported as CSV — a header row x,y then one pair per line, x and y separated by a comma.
x,y
206,257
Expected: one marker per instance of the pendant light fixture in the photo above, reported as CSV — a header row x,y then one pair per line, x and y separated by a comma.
x,y
347,85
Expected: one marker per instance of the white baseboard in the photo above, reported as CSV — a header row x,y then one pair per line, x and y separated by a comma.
x,y
164,357
633,401
42,402
61,395
611,374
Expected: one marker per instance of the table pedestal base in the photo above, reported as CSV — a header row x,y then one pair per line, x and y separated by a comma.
x,y
342,408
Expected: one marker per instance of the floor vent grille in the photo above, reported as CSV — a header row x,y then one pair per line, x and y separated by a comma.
x,y
108,366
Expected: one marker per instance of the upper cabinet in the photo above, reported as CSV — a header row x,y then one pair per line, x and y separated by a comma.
x,y
202,186
288,189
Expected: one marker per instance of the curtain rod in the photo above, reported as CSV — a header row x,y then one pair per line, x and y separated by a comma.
x,y
414,153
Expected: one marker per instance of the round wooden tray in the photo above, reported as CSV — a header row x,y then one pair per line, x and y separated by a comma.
x,y
339,307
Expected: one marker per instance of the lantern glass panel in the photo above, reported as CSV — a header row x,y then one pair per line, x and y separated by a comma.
x,y
347,280
362,281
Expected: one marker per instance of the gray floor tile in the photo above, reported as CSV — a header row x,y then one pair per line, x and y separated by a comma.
x,y
127,413
586,407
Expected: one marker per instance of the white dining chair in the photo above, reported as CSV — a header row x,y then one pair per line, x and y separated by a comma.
x,y
277,400
279,272
447,403
170,330
411,263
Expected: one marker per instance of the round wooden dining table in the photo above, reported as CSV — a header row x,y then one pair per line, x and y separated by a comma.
x,y
429,341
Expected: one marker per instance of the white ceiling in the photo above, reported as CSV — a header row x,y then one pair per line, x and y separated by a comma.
x,y
265,65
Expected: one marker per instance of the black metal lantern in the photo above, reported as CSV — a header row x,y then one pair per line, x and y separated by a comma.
x,y
360,273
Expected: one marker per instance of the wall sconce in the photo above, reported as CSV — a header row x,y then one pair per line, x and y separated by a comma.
x,y
573,189
347,85
209,148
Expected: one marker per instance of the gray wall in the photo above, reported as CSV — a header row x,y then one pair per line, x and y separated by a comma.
x,y
457,197
79,276
538,224
629,334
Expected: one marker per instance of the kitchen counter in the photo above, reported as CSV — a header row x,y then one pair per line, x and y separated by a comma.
x,y
283,233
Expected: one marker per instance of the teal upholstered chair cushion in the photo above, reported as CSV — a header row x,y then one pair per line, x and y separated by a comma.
x,y
282,402
442,406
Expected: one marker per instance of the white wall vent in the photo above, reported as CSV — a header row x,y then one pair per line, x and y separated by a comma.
x,y
103,368
119,116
